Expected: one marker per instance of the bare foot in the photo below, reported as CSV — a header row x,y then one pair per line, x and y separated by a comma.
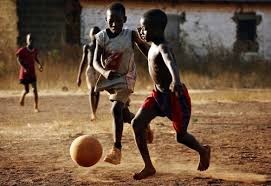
x,y
92,117
36,110
146,172
205,159
21,103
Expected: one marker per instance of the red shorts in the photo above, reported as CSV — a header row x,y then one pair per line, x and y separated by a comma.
x,y
177,109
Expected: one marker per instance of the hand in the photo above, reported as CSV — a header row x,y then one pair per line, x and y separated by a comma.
x,y
40,68
177,89
25,70
78,81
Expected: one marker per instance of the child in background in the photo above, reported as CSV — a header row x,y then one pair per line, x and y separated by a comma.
x,y
26,58
91,74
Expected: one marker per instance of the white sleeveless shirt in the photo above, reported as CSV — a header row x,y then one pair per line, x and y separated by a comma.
x,y
117,55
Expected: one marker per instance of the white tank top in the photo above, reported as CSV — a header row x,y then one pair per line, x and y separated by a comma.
x,y
117,55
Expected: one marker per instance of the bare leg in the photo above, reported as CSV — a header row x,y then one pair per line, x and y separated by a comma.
x,y
114,156
140,123
204,151
117,113
127,115
93,102
25,91
96,100
36,98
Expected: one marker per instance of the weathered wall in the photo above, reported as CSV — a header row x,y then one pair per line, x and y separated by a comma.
x,y
205,23
216,26
44,19
52,22
8,24
8,35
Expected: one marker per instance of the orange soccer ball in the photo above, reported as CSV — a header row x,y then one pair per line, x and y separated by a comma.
x,y
86,150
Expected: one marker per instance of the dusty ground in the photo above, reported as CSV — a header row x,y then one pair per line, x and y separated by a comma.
x,y
34,147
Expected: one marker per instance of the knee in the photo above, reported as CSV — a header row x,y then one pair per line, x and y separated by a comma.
x,y
137,125
26,91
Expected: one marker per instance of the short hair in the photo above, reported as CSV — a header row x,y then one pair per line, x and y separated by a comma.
x,y
156,17
117,7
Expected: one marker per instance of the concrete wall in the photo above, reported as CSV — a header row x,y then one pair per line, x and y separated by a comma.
x,y
201,28
205,23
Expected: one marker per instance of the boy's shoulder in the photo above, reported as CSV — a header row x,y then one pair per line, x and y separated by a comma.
x,y
100,36
20,50
101,33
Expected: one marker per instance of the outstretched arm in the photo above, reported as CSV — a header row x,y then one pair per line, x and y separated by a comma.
x,y
142,45
171,64
82,64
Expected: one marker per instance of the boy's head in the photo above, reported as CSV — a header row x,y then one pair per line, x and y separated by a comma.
x,y
29,40
93,31
115,17
153,24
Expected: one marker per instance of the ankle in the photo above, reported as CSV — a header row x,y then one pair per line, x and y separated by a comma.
x,y
202,150
117,145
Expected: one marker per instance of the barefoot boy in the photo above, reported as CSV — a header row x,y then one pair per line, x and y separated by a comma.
x,y
91,73
26,58
169,98
114,60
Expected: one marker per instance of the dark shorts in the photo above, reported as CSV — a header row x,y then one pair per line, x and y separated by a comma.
x,y
28,81
177,109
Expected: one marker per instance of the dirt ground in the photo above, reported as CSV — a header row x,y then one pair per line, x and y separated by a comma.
x,y
34,147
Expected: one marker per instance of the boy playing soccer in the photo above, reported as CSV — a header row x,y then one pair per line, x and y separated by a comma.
x,y
113,59
26,58
91,73
169,98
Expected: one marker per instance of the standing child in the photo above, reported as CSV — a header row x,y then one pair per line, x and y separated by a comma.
x,y
113,59
91,73
169,98
26,58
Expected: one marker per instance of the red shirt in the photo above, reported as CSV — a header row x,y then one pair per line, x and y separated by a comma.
x,y
27,57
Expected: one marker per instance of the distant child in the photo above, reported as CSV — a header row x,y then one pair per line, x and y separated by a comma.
x,y
26,58
114,60
169,98
91,74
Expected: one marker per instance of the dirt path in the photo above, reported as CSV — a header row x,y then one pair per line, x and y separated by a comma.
x,y
34,147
